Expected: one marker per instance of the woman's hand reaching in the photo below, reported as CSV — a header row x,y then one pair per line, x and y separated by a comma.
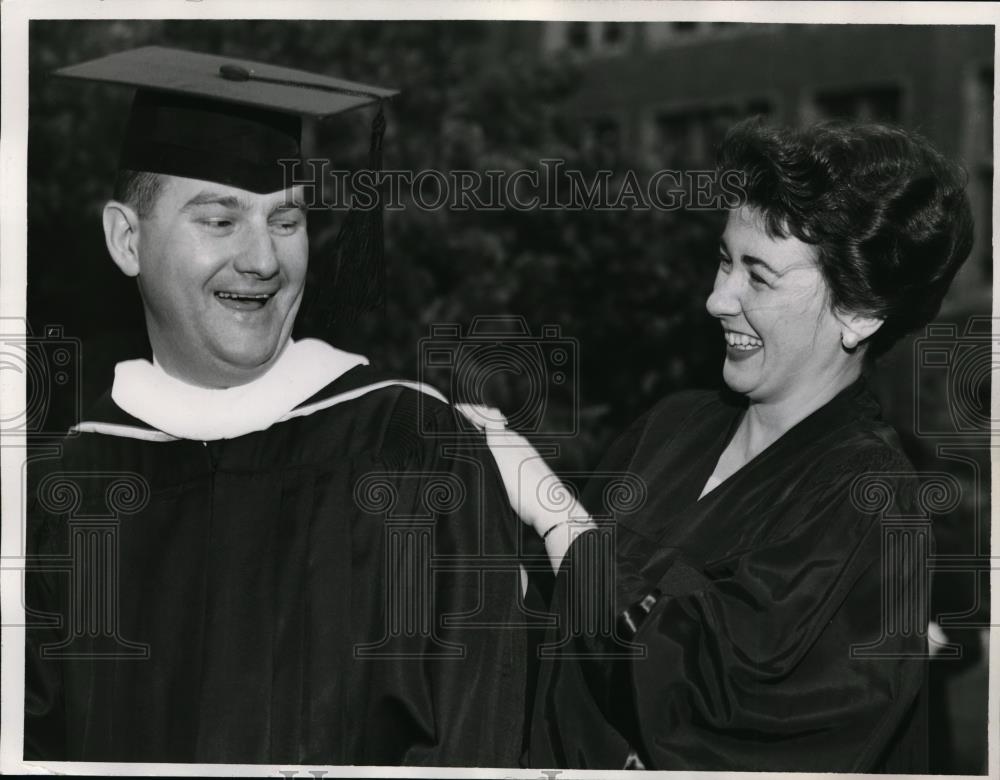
x,y
537,495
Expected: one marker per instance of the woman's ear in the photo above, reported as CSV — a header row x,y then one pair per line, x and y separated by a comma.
x,y
855,328
121,233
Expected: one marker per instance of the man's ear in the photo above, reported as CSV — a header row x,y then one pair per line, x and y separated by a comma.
x,y
121,233
855,328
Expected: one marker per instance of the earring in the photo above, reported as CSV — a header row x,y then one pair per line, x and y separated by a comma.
x,y
849,340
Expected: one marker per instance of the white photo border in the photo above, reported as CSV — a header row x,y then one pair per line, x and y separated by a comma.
x,y
16,15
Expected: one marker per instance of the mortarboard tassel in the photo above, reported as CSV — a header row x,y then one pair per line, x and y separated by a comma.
x,y
352,281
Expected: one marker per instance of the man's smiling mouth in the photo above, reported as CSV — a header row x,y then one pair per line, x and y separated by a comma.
x,y
240,301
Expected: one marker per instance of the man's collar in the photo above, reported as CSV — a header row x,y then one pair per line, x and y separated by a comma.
x,y
180,410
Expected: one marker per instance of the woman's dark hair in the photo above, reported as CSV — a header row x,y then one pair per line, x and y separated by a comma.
x,y
888,214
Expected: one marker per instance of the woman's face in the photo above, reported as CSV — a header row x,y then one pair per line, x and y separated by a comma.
x,y
783,338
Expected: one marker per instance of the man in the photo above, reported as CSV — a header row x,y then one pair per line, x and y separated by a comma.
x,y
268,556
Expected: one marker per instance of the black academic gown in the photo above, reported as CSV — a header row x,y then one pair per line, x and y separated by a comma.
x,y
336,589
747,604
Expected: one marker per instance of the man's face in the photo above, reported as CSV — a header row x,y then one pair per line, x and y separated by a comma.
x,y
221,272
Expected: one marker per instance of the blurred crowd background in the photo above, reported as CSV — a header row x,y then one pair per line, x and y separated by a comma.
x,y
609,305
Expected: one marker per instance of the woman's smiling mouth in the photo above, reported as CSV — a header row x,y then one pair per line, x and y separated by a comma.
x,y
741,344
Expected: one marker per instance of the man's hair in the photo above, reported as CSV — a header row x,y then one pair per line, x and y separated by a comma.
x,y
887,213
138,189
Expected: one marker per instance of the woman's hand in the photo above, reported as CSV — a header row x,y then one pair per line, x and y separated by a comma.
x,y
537,495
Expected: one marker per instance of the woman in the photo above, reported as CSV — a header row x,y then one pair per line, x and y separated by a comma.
x,y
751,572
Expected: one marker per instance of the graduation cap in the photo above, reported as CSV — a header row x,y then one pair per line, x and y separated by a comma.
x,y
232,121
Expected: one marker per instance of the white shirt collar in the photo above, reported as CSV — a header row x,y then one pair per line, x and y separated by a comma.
x,y
146,391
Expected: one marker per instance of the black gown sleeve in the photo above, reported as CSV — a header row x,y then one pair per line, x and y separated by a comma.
x,y
473,701
754,661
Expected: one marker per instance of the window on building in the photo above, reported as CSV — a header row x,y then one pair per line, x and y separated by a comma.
x,y
673,137
759,107
658,34
872,104
613,34
607,137
984,114
602,140
684,28
578,36
690,138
